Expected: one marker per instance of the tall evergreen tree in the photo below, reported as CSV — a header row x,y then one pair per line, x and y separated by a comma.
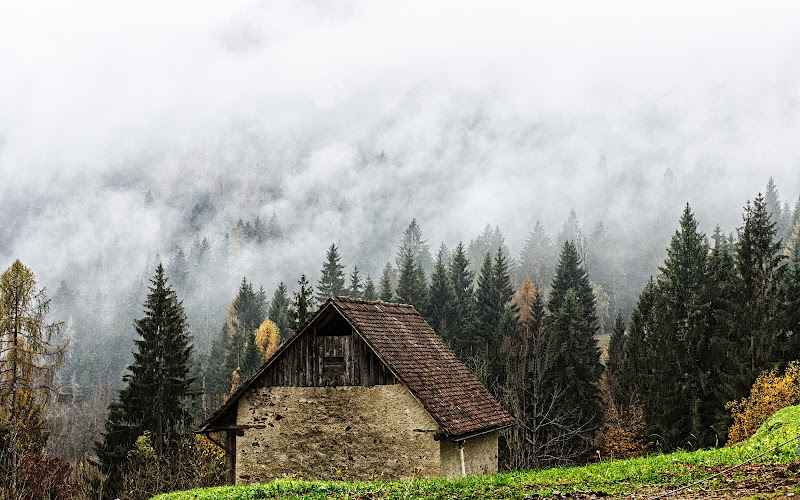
x,y
573,325
537,259
755,313
462,280
331,282
245,314
158,385
411,286
279,310
420,250
773,207
356,288
616,347
683,336
442,300
386,292
369,289
493,294
303,305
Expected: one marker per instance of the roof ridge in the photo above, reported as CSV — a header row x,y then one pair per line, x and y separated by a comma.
x,y
342,298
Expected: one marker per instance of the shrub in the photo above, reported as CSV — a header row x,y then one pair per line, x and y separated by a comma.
x,y
772,391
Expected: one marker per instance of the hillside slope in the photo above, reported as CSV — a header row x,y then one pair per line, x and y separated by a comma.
x,y
776,473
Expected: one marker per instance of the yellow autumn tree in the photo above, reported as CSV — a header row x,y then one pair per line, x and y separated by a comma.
x,y
268,338
526,296
772,391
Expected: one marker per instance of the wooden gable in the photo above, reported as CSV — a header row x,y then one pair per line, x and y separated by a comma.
x,y
330,353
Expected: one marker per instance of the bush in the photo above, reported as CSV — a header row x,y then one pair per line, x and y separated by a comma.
x,y
196,463
771,392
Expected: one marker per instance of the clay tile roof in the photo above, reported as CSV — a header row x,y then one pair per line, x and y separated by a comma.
x,y
453,396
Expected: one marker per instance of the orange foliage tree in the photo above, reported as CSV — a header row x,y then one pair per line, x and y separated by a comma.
x,y
771,392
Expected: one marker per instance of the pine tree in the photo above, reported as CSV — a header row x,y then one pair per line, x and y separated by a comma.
x,y
774,208
462,280
369,289
303,305
537,259
355,290
420,250
386,293
493,294
279,310
178,270
755,314
442,300
158,385
616,347
683,337
332,282
411,286
574,324
245,314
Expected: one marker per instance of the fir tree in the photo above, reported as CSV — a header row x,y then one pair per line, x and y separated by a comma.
x,y
303,304
245,314
537,259
369,289
158,385
411,286
413,243
279,310
462,280
755,315
574,324
442,301
616,346
355,290
332,282
386,293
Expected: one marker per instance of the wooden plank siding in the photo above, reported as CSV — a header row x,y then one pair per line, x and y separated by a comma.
x,y
329,355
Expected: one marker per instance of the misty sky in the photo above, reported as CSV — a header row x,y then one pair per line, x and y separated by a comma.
x,y
346,119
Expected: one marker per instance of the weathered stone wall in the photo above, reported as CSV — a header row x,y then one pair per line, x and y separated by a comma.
x,y
480,456
322,432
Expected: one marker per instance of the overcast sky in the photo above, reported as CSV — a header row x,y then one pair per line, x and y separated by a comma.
x,y
458,113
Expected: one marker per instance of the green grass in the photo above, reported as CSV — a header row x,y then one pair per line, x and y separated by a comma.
x,y
612,477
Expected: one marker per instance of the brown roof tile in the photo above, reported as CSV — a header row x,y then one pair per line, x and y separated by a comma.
x,y
453,396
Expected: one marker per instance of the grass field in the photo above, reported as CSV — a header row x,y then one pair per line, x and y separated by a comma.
x,y
643,476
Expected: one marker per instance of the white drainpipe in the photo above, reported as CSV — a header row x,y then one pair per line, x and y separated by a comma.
x,y
461,454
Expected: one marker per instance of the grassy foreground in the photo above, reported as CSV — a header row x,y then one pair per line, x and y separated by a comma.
x,y
615,477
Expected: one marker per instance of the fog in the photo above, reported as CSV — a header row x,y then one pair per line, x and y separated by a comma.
x,y
346,121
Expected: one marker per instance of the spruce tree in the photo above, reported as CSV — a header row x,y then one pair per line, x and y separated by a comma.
x,y
573,325
462,280
537,259
369,289
356,288
331,282
756,310
420,250
279,310
493,294
442,300
245,314
411,286
616,346
158,385
303,305
386,293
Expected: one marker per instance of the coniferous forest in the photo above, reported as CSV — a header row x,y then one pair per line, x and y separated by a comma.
x,y
584,366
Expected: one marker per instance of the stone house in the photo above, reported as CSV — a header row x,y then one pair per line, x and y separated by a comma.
x,y
362,390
